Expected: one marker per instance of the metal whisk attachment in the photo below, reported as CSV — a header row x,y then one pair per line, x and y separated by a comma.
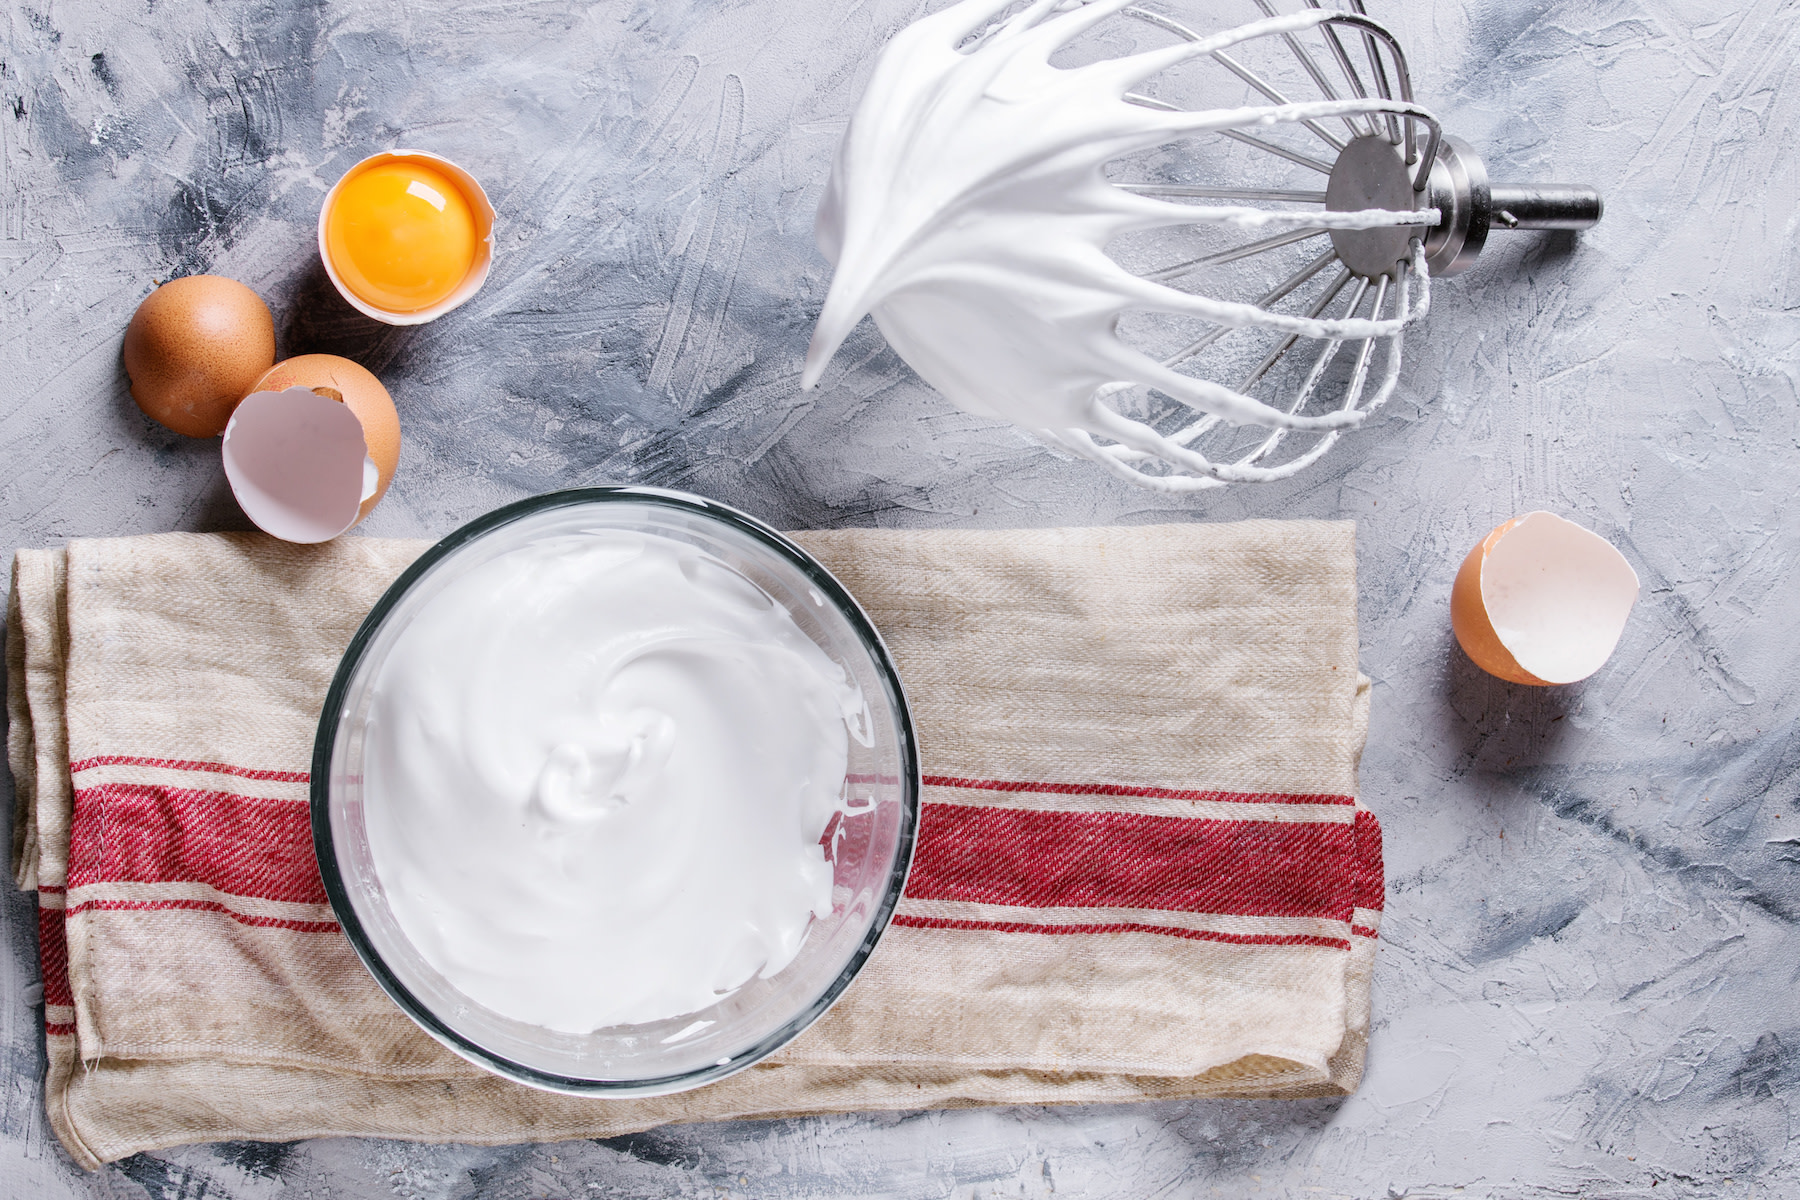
x,y
1374,160
988,208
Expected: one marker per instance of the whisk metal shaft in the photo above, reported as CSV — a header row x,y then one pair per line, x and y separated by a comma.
x,y
1545,205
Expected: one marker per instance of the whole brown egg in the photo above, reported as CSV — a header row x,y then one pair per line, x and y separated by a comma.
x,y
194,348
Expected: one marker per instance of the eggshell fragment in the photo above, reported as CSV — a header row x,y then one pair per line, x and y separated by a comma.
x,y
297,463
362,394
1542,601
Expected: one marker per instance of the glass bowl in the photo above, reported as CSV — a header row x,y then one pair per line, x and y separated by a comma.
x,y
870,848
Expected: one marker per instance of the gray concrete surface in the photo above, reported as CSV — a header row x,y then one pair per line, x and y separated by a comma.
x,y
1587,982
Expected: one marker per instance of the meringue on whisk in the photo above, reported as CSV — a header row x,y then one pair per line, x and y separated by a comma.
x,y
970,212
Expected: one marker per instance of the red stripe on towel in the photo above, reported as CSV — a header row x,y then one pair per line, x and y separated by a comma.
x,y
1198,935
203,906
262,848
178,764
241,845
1041,859
1369,877
1116,789
53,952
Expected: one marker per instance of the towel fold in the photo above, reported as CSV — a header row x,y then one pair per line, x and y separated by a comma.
x,y
1142,872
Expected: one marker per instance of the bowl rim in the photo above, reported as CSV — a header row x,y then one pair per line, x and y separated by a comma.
x,y
325,742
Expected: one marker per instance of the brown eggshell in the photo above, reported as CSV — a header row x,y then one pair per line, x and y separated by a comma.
x,y
362,394
1469,616
194,348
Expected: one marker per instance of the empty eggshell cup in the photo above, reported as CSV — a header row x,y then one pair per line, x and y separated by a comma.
x,y
298,464
311,450
480,209
1542,601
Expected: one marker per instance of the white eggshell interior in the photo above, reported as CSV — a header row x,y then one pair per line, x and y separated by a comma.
x,y
1558,596
297,464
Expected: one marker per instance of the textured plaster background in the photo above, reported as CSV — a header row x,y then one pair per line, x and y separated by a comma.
x,y
1587,982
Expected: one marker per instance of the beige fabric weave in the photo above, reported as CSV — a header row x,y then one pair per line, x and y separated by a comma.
x,y
1203,676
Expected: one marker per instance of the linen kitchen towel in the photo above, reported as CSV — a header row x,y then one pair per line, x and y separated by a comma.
x,y
1141,872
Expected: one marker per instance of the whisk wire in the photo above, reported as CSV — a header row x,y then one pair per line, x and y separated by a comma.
x,y
1124,460
1234,66
1292,156
1332,291
1287,343
1359,374
1378,70
1235,253
1355,126
1343,58
1273,296
1190,192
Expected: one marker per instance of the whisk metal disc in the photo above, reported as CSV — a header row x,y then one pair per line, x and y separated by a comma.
x,y
1371,172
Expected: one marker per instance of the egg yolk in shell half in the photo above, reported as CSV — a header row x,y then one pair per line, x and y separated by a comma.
x,y
401,236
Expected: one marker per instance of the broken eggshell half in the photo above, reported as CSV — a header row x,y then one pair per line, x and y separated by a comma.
x,y
298,463
361,392
1542,601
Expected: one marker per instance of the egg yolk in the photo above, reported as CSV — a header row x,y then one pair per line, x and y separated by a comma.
x,y
401,236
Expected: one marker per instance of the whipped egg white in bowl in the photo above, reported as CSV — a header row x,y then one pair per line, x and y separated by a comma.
x,y
615,791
